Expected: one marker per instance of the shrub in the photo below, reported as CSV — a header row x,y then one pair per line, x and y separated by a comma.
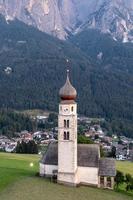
x,y
129,182
84,140
119,179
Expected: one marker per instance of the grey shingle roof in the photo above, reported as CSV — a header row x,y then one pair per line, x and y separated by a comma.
x,y
107,167
88,155
51,155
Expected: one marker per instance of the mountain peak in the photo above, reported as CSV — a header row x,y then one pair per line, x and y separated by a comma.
x,y
63,17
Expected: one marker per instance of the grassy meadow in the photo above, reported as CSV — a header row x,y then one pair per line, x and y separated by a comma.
x,y
18,182
35,112
14,167
125,167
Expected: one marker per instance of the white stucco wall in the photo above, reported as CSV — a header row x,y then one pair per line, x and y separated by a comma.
x,y
67,149
84,175
41,169
67,178
88,175
67,156
47,169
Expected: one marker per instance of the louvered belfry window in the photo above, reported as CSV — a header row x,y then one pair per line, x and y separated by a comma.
x,y
66,135
65,123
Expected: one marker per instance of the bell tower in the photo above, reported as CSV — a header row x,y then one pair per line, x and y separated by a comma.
x,y
67,134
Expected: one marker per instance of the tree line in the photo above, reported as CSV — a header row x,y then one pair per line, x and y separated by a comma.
x,y
29,147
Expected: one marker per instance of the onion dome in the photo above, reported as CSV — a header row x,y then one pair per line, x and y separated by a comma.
x,y
68,92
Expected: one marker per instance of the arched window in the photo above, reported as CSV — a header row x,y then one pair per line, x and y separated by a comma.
x,y
65,136
72,109
67,123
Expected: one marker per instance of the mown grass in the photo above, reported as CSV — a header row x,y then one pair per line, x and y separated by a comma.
x,y
18,182
37,188
15,166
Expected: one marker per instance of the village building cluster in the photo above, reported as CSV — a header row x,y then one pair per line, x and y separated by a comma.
x,y
123,145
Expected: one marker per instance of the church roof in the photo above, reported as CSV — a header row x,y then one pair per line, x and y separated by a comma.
x,y
51,155
88,156
107,167
68,92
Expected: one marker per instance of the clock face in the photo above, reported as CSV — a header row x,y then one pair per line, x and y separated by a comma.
x,y
66,110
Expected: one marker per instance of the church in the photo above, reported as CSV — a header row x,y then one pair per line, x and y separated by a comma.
x,y
75,164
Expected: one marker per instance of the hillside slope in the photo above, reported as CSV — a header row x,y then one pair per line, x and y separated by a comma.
x,y
33,68
112,76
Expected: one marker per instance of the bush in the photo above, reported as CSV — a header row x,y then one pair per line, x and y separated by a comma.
x,y
129,182
84,140
127,179
119,179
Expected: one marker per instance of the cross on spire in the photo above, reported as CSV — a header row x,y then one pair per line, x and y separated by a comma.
x,y
68,72
67,69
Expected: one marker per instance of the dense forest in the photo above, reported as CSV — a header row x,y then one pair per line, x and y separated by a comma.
x,y
33,68
12,122
113,71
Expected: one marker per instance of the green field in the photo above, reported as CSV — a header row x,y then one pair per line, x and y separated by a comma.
x,y
14,167
18,182
35,112
125,167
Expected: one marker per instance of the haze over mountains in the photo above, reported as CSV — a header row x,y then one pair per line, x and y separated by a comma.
x,y
62,18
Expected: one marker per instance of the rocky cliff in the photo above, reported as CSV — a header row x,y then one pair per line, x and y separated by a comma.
x,y
63,17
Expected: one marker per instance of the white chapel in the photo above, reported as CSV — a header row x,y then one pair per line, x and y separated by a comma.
x,y
72,163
